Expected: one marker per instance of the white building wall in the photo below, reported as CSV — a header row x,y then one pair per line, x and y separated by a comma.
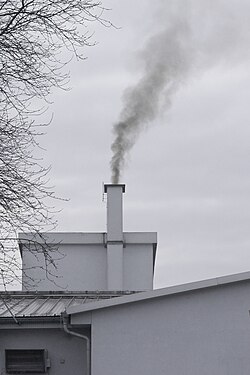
x,y
78,268
138,267
82,262
204,332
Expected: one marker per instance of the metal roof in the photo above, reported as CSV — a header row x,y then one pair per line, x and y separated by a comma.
x,y
47,304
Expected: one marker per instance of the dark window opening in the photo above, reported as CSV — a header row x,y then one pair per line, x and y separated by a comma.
x,y
25,361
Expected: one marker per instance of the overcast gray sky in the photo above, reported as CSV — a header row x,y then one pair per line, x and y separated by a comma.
x,y
187,176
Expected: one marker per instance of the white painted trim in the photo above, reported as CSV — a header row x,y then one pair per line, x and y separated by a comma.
x,y
86,238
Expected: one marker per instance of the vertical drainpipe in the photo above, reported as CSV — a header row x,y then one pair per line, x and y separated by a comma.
x,y
114,236
80,336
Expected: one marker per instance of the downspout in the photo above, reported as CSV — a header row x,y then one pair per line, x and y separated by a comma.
x,y
80,336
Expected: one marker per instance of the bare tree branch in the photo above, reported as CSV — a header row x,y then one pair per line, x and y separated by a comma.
x,y
34,35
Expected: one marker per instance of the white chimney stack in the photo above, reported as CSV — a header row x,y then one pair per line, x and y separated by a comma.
x,y
115,265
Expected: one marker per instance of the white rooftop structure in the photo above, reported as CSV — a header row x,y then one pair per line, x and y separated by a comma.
x,y
108,261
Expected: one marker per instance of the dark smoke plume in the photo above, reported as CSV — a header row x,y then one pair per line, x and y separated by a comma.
x,y
165,68
195,37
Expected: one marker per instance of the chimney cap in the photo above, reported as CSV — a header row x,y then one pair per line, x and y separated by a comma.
x,y
106,186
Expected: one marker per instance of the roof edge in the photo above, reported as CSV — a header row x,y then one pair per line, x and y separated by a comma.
x,y
156,293
84,238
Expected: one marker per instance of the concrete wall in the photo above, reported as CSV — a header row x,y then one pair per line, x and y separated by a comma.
x,y
138,267
66,353
205,332
79,268
82,263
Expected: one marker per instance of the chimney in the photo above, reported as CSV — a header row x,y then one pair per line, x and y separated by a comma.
x,y
115,256
113,260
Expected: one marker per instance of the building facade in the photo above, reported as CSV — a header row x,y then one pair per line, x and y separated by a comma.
x,y
97,313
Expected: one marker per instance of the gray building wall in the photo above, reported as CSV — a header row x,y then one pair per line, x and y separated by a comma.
x,y
66,353
204,332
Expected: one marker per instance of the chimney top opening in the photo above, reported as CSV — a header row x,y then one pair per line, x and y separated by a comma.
x,y
106,186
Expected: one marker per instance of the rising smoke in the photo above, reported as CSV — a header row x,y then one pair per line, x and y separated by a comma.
x,y
197,35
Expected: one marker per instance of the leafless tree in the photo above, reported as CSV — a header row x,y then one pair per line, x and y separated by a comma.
x,y
34,35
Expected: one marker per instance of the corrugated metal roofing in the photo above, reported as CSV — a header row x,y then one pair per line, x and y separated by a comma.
x,y
47,304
